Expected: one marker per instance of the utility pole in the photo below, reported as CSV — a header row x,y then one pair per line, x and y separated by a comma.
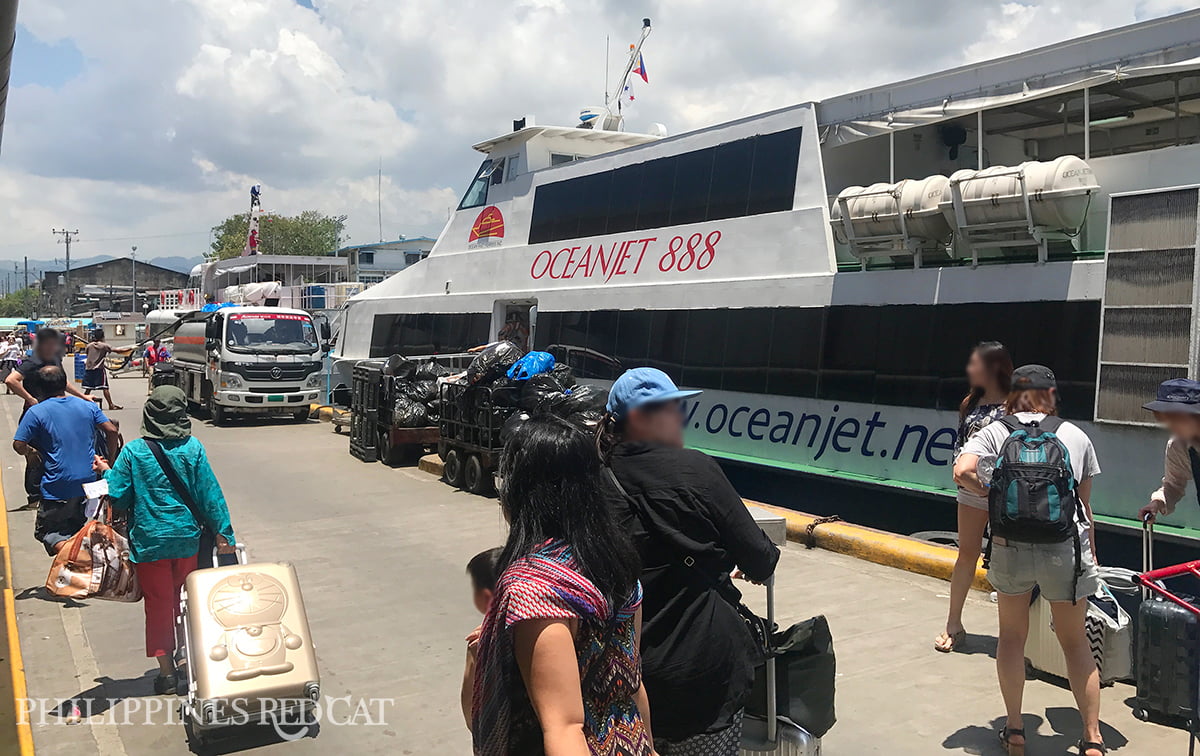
x,y
66,239
26,271
133,290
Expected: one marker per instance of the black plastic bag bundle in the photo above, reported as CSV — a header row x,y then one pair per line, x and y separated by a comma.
x,y
588,419
512,425
563,375
408,413
399,366
430,371
493,362
585,399
542,393
506,392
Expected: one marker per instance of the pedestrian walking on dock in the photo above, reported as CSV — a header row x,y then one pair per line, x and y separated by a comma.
x,y
58,436
1024,513
989,375
1177,407
23,382
691,529
164,536
95,375
559,667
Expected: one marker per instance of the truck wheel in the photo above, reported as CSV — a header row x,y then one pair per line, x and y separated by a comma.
x,y
300,415
452,468
218,414
474,479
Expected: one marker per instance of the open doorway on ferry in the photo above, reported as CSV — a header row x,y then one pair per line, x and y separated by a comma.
x,y
515,321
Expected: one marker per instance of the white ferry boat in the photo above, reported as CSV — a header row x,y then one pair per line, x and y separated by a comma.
x,y
1047,200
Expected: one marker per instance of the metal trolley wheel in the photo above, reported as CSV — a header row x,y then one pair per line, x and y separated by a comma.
x,y
452,468
475,479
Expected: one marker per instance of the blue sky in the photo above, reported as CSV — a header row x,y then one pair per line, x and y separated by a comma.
x,y
42,64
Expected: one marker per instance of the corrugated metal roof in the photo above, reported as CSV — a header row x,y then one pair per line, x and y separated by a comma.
x,y
1161,41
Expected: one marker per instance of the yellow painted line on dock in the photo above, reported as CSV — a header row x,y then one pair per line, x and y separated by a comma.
x,y
15,662
873,545
876,546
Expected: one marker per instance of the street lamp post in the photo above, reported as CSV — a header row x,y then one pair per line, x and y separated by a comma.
x,y
133,292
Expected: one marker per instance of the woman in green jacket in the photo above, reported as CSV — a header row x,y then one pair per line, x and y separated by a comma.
x,y
164,536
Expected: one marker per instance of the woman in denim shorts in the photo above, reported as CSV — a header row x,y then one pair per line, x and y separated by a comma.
x,y
1017,567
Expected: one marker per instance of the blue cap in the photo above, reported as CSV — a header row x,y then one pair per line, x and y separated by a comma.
x,y
1177,395
641,386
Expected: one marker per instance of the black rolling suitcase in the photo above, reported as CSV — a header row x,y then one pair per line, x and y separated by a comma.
x,y
1168,649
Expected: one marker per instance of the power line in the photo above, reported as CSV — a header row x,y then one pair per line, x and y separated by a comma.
x,y
115,238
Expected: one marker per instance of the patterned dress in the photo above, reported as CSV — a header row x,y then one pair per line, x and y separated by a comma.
x,y
547,585
976,420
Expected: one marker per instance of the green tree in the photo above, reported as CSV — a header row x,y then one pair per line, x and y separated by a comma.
x,y
309,233
20,304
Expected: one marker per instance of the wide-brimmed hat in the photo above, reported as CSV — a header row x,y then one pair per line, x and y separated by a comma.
x,y
1177,395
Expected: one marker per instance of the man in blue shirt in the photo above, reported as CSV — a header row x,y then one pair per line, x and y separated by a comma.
x,y
61,430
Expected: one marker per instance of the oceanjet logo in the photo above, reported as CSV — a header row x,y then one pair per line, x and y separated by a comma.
x,y
825,433
291,719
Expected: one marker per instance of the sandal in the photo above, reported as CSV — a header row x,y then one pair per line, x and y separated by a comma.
x,y
946,643
1012,749
1085,746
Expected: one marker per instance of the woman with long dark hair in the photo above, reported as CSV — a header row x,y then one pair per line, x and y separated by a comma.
x,y
559,666
691,529
989,374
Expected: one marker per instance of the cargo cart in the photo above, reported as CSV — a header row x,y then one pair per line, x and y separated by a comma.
x,y
470,443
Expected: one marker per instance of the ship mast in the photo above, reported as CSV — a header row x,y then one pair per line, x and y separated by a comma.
x,y
634,52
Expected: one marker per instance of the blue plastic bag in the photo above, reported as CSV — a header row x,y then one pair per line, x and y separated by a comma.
x,y
534,363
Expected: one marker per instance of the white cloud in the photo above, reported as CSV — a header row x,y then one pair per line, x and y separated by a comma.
x,y
182,105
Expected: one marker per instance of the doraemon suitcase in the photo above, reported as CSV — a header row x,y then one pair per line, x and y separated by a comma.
x,y
245,640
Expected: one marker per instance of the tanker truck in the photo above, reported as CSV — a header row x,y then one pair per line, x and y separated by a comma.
x,y
249,361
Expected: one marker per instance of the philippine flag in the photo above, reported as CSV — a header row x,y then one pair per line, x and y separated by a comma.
x,y
640,68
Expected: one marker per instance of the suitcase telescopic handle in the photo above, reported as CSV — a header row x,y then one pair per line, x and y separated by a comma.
x,y
1147,549
772,703
240,549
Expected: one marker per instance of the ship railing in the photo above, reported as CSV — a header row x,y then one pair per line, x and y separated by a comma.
x,y
180,299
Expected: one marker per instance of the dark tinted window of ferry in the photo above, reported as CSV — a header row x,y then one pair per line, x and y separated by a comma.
x,y
693,177
428,333
622,199
899,355
744,177
658,182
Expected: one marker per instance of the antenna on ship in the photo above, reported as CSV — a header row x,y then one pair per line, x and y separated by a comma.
x,y
604,118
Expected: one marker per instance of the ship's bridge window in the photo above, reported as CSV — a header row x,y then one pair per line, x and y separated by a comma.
x,y
558,158
735,179
477,193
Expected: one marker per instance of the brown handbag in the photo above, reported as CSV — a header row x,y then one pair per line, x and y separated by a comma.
x,y
95,563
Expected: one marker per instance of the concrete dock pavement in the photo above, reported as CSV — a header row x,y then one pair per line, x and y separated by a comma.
x,y
381,555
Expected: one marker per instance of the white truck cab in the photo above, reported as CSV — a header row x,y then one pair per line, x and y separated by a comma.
x,y
250,361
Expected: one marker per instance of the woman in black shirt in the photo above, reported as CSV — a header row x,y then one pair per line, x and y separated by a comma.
x,y
691,530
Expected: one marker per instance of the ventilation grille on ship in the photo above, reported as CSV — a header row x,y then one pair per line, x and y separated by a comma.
x,y
1147,332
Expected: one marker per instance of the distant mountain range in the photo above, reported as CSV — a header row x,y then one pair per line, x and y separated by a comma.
x,y
16,268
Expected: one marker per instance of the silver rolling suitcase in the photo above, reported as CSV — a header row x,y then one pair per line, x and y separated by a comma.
x,y
776,734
